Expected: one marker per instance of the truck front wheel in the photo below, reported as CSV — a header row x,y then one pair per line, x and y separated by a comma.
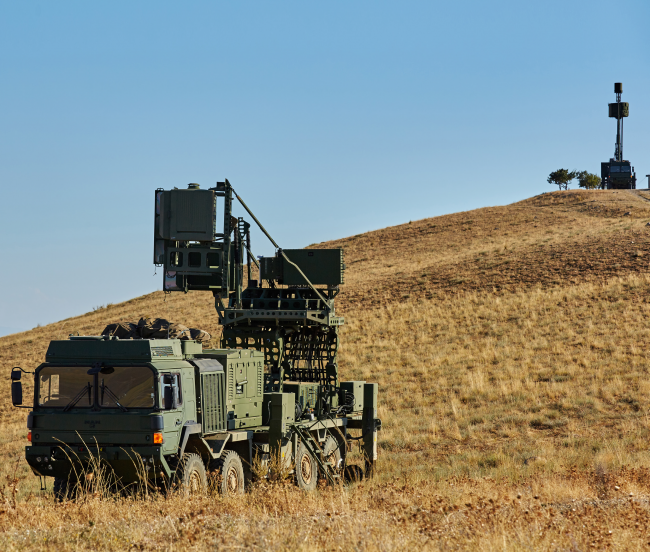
x,y
192,478
62,489
231,472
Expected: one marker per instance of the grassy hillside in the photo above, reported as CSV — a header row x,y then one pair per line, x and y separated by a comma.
x,y
510,345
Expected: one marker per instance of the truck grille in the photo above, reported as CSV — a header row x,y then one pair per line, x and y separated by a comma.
x,y
213,409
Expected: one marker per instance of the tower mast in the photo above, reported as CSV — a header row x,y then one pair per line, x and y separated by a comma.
x,y
618,152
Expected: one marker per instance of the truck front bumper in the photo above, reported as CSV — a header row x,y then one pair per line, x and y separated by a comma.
x,y
129,464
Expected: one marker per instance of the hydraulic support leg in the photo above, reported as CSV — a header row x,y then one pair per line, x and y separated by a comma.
x,y
369,425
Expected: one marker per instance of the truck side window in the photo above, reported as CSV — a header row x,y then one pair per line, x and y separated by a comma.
x,y
171,391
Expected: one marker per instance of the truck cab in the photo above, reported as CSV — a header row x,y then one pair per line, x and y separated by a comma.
x,y
130,401
617,175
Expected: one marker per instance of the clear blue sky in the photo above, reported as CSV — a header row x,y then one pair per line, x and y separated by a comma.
x,y
330,118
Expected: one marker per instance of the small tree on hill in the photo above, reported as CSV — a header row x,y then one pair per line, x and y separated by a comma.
x,y
588,181
561,178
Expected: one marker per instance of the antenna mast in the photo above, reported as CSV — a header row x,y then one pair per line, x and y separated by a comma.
x,y
619,110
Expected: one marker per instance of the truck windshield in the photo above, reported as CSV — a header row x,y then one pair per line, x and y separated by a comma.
x,y
117,387
58,385
130,386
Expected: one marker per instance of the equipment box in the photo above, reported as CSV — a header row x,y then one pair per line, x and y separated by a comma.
x,y
354,388
307,394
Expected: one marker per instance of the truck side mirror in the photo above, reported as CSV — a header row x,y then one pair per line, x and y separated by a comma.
x,y
16,392
168,397
16,373
175,394
171,396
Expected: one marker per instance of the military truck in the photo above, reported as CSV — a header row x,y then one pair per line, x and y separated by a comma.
x,y
618,173
167,412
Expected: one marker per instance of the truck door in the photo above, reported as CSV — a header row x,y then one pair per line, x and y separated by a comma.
x,y
171,395
189,396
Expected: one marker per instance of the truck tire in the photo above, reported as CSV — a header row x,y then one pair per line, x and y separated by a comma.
x,y
61,489
306,469
332,453
353,474
192,478
231,471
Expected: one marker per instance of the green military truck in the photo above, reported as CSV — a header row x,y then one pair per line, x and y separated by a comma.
x,y
168,412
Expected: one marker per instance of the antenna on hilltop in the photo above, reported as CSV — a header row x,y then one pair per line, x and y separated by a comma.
x,y
619,110
618,174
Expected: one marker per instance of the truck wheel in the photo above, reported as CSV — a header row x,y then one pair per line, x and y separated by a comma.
x,y
306,469
353,474
332,453
61,489
192,478
231,470
66,489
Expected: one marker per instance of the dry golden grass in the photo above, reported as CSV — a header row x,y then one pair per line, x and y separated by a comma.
x,y
554,239
461,514
511,349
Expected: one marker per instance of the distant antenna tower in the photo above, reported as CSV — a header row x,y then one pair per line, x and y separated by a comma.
x,y
619,110
618,174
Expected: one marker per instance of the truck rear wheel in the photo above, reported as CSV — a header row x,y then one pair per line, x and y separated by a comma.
x,y
231,472
306,469
353,474
332,453
192,478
